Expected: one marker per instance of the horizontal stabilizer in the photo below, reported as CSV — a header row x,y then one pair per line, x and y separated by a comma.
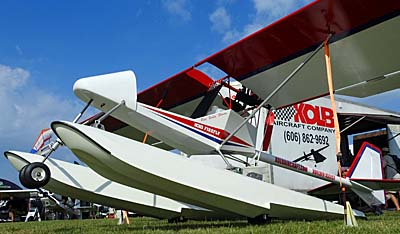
x,y
43,138
378,184
367,165
365,173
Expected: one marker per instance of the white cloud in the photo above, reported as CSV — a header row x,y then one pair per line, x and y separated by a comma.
x,y
178,8
26,109
231,36
275,8
18,49
220,20
221,23
266,12
11,79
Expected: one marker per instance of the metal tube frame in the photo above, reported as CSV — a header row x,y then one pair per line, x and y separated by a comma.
x,y
58,142
283,83
354,123
98,121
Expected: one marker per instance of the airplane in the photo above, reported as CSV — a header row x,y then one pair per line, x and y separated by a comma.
x,y
315,154
356,32
103,197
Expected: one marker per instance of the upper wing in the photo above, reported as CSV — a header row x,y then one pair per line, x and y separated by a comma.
x,y
372,86
364,46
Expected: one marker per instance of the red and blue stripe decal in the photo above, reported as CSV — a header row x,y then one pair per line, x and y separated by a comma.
x,y
356,160
212,133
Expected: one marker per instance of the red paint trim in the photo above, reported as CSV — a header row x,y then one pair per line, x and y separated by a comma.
x,y
230,87
180,88
208,129
359,154
269,124
40,134
223,99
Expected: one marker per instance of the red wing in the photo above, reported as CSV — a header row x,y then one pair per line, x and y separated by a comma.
x,y
177,90
364,46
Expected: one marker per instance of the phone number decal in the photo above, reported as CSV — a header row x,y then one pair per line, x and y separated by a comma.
x,y
293,136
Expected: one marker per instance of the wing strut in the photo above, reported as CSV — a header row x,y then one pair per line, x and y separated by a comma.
x,y
206,102
331,90
354,123
337,129
97,122
265,101
58,143
37,174
146,134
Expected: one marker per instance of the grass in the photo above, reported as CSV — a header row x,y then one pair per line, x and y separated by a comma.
x,y
387,223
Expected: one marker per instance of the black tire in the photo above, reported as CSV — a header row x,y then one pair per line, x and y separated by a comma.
x,y
259,220
179,219
35,175
21,176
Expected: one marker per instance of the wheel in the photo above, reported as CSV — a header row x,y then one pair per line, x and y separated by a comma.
x,y
21,175
179,219
259,220
35,175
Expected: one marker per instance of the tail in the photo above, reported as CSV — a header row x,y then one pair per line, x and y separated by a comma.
x,y
367,166
43,138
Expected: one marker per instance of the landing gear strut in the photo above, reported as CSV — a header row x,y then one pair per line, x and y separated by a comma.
x,y
37,174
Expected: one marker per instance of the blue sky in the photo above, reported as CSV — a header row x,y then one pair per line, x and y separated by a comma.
x,y
45,46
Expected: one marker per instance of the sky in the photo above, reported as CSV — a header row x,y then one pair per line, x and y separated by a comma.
x,y
45,46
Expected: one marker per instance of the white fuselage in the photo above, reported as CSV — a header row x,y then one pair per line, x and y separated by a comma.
x,y
192,136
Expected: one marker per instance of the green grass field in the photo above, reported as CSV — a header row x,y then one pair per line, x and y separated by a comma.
x,y
387,223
